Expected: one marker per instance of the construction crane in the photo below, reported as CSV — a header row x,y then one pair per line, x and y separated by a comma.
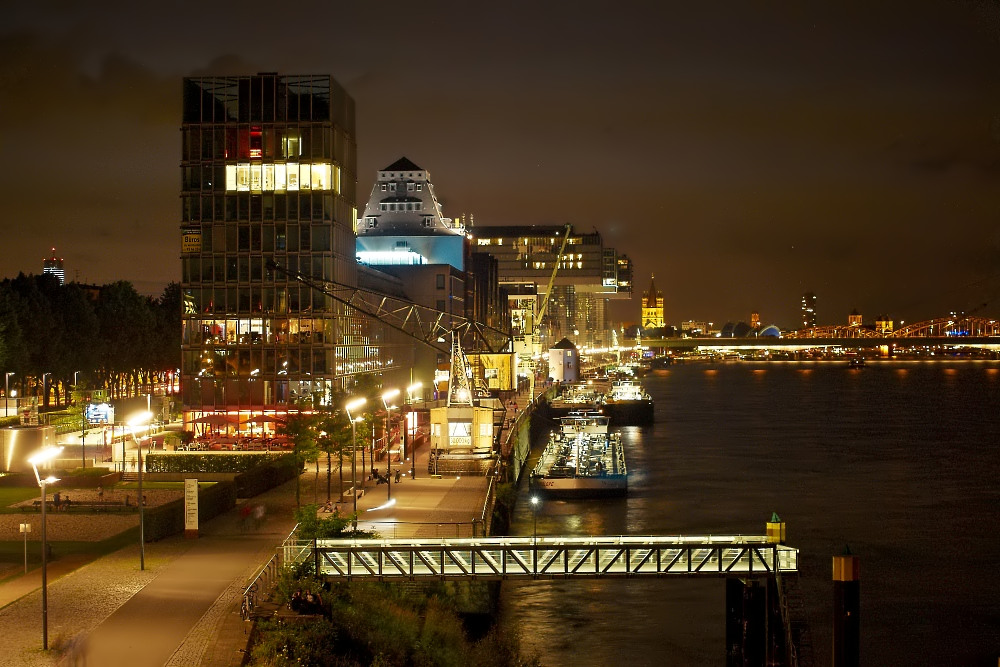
x,y
530,346
552,279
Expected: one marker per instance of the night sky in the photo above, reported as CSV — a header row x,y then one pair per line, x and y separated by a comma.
x,y
744,154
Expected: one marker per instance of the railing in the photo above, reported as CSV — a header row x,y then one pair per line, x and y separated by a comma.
x,y
261,585
553,557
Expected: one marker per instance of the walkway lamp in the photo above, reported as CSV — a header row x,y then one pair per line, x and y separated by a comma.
x,y
386,401
140,420
407,433
44,456
45,389
354,405
6,393
534,510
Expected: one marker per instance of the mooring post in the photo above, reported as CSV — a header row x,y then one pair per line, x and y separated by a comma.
x,y
846,610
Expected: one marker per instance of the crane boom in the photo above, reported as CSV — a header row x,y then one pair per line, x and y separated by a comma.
x,y
552,279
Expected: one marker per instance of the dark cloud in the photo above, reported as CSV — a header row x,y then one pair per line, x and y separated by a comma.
x,y
746,152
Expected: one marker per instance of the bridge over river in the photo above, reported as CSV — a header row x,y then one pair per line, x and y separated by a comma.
x,y
499,558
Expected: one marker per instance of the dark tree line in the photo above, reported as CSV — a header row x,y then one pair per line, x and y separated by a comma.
x,y
108,337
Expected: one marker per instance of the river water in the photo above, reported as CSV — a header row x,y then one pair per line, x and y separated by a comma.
x,y
897,461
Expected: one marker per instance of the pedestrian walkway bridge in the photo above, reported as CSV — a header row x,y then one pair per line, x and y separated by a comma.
x,y
495,558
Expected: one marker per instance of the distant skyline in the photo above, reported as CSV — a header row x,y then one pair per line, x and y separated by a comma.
x,y
744,154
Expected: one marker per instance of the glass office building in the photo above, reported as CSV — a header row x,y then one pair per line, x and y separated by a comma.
x,y
268,177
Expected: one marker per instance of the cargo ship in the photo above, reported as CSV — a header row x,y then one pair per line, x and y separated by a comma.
x,y
581,459
627,404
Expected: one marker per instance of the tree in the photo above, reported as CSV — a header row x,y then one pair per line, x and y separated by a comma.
x,y
300,428
335,440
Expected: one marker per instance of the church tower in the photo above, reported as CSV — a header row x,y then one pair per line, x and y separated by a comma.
x,y
652,307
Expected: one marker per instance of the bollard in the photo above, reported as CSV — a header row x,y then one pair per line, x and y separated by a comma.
x,y
846,610
776,529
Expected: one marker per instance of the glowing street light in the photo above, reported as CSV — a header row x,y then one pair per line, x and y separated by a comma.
x,y
534,510
45,389
407,434
386,398
354,405
44,456
6,393
140,420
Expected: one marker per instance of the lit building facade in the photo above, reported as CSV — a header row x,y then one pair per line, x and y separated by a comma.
x,y
652,307
268,178
54,265
808,310
589,276
404,232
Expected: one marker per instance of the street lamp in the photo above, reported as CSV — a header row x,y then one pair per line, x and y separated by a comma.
x,y
45,389
406,430
6,393
354,405
44,456
534,533
534,511
386,398
140,419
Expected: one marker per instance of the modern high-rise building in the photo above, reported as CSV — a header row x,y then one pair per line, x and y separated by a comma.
x,y
54,265
808,310
652,307
588,276
268,182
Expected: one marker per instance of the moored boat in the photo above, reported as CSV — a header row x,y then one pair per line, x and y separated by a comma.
x,y
628,404
581,459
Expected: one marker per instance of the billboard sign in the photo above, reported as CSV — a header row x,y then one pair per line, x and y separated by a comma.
x,y
100,413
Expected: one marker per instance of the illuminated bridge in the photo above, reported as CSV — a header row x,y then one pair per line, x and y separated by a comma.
x,y
498,558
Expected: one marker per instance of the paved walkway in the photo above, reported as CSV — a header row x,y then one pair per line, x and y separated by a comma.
x,y
183,609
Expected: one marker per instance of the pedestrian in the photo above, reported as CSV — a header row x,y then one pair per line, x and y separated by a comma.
x,y
397,475
258,516
245,517
57,500
100,493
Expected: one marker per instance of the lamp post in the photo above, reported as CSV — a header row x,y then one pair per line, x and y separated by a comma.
x,y
45,389
6,393
141,419
386,398
534,511
406,430
354,405
534,533
44,456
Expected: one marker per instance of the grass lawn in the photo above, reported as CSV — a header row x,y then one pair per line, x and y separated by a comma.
x,y
12,551
17,494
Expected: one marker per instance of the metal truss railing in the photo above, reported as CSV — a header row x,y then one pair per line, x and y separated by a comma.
x,y
553,557
428,325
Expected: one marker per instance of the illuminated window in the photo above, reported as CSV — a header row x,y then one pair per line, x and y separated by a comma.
x,y
255,178
280,178
384,187
269,177
305,182
293,177
243,177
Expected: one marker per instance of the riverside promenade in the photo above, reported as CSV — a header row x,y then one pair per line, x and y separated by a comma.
x,y
183,609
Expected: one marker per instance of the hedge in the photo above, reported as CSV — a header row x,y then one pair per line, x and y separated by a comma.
x,y
216,463
168,519
267,475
